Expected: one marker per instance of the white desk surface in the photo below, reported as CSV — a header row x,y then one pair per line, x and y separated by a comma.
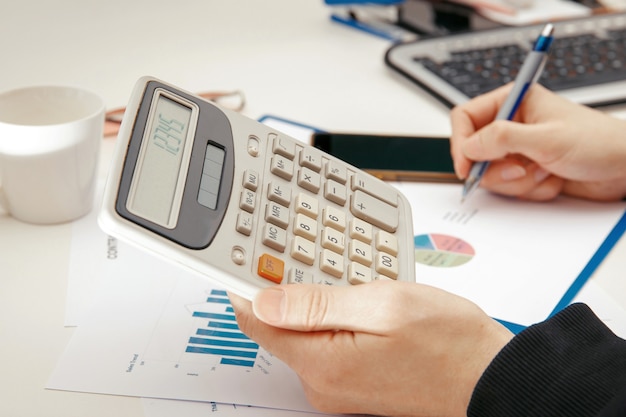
x,y
288,58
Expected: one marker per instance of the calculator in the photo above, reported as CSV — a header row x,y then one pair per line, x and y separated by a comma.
x,y
245,205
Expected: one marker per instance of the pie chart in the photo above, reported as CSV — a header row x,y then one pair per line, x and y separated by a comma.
x,y
442,251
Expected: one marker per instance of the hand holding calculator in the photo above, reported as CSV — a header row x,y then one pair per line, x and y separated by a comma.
x,y
246,205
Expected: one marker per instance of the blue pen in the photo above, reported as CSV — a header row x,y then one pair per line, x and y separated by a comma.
x,y
528,74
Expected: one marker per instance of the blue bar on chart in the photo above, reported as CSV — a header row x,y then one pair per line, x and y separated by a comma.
x,y
221,337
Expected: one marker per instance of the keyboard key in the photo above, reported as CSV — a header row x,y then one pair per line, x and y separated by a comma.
x,y
360,230
335,192
282,146
307,204
277,214
333,239
305,226
337,172
386,242
247,201
335,218
282,167
271,268
279,193
311,158
251,179
309,180
387,265
303,250
374,211
274,237
331,263
244,223
359,274
299,276
374,188
360,252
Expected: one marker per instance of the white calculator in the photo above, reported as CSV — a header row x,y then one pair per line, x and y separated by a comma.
x,y
245,205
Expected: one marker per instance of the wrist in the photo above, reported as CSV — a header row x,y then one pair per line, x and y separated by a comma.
x,y
546,368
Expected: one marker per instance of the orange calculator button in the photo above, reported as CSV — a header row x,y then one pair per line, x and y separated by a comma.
x,y
271,268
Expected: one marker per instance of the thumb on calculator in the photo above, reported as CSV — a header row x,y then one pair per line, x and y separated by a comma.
x,y
312,307
319,307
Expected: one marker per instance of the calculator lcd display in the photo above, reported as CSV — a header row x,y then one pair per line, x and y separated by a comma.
x,y
156,179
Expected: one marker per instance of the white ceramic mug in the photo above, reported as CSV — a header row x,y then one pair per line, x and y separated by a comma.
x,y
50,139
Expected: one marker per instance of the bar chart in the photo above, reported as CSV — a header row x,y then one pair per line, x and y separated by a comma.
x,y
161,331
219,335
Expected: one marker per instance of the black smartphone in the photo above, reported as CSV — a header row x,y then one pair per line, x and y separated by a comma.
x,y
392,158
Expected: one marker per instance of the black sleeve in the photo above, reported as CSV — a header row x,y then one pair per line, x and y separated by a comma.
x,y
571,365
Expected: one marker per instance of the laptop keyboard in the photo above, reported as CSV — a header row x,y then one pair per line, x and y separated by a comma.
x,y
574,61
587,60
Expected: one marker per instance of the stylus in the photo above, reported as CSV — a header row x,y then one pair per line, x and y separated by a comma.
x,y
528,74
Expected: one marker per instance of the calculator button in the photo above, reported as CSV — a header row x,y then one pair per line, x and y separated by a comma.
x,y
279,193
244,223
303,250
309,180
335,192
271,268
282,167
331,263
247,201
282,146
374,188
360,230
320,215
335,218
320,279
333,240
307,204
250,179
299,276
386,265
374,211
238,256
277,214
305,226
274,237
380,277
359,274
360,252
386,242
335,171
311,158
253,146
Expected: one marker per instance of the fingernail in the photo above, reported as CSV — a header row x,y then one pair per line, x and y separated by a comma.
x,y
456,171
512,172
269,305
471,146
541,174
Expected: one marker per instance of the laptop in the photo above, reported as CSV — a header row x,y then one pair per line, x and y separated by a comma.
x,y
587,62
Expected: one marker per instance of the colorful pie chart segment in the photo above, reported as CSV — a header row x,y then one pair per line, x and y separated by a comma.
x,y
442,250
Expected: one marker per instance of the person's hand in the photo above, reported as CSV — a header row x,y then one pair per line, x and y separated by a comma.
x,y
383,348
553,146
